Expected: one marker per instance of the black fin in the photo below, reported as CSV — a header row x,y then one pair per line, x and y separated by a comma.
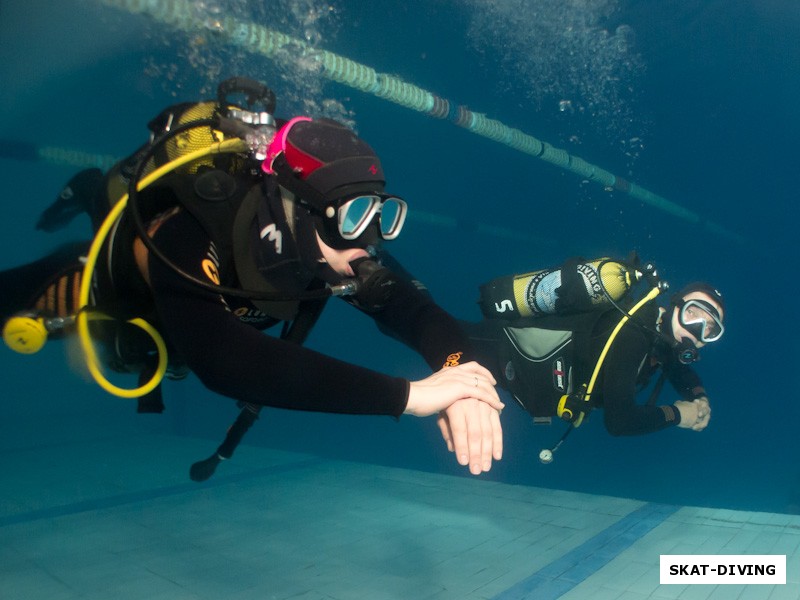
x,y
75,198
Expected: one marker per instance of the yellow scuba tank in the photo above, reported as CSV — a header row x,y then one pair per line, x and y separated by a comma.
x,y
189,141
577,285
248,102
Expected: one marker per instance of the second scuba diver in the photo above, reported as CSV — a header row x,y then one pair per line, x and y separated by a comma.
x,y
568,340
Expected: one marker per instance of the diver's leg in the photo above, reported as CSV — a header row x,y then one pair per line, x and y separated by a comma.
x,y
77,197
49,285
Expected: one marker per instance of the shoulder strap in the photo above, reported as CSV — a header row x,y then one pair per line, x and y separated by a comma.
x,y
651,401
288,200
643,302
246,269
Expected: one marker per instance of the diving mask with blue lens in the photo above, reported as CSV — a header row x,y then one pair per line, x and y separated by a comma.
x,y
355,215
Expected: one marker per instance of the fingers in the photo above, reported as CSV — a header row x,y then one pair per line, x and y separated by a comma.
x,y
457,423
491,436
479,448
695,415
703,414
444,428
440,390
702,422
469,412
477,382
486,393
471,370
497,435
476,434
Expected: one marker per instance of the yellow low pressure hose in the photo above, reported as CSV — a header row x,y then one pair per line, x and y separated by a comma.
x,y
546,454
652,294
84,313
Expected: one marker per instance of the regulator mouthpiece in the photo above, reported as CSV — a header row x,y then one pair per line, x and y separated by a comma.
x,y
376,283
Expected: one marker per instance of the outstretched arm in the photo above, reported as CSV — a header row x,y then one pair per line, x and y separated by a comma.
x,y
234,359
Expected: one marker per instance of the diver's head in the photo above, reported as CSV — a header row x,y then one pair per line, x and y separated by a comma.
x,y
698,311
338,178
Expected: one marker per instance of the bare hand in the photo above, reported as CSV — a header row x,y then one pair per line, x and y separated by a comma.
x,y
695,415
469,410
448,385
472,430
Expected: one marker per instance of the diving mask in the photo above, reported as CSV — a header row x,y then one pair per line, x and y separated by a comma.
x,y
355,214
702,320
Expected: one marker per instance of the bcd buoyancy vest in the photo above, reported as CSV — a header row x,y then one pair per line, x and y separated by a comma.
x,y
547,358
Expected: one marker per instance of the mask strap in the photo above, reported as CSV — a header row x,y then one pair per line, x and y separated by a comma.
x,y
278,144
303,191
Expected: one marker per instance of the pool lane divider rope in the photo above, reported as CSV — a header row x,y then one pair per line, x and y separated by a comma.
x,y
274,45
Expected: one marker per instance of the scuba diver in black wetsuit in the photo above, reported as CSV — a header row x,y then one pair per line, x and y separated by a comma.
x,y
259,225
566,341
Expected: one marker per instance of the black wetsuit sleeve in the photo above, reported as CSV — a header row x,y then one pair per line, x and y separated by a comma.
x,y
235,359
622,414
413,317
685,381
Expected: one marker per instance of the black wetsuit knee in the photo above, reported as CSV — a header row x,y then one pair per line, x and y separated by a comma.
x,y
23,286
